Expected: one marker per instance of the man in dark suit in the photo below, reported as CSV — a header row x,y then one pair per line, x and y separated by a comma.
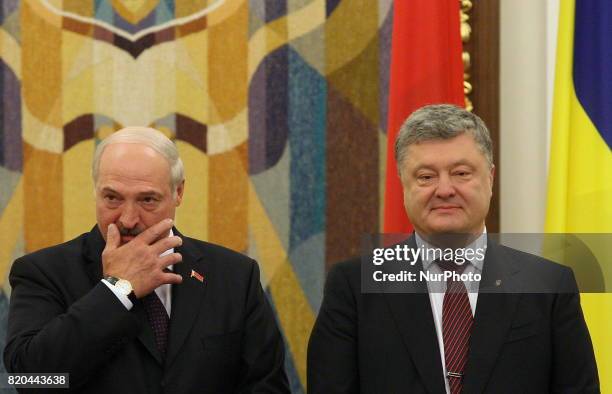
x,y
134,306
516,328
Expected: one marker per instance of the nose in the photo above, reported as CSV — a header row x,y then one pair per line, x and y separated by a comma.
x,y
129,216
445,188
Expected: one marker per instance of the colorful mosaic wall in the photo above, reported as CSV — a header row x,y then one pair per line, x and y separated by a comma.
x,y
278,109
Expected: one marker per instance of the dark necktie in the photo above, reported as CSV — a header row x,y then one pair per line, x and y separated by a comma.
x,y
158,319
456,326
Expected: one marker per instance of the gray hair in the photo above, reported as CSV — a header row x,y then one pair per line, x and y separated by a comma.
x,y
150,137
441,121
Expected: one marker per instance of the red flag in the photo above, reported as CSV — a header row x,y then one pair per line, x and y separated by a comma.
x,y
197,275
426,68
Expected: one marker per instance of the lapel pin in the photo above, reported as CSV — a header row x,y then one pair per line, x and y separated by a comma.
x,y
498,282
197,275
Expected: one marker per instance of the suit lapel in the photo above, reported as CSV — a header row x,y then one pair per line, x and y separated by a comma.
x,y
414,318
186,297
94,245
146,335
92,251
497,300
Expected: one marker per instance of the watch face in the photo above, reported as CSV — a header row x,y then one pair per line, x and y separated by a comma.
x,y
124,285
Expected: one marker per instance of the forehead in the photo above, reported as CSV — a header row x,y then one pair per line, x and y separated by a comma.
x,y
462,148
132,162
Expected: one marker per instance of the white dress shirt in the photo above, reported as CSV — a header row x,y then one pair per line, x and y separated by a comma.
x,y
437,290
163,292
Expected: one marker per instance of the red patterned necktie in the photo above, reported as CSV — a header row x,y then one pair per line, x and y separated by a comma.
x,y
158,319
456,326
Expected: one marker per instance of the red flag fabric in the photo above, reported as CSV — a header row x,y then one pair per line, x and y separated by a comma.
x,y
197,275
426,68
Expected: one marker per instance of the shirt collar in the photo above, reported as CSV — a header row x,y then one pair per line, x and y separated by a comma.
x,y
167,252
478,243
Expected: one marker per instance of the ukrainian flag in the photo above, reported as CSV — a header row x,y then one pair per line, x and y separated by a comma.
x,y
580,172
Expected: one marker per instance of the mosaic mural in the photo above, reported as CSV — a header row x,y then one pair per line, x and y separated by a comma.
x,y
278,109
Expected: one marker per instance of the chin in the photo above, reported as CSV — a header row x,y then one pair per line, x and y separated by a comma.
x,y
447,231
443,224
446,222
448,228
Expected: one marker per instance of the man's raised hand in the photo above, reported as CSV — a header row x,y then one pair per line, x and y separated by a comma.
x,y
139,261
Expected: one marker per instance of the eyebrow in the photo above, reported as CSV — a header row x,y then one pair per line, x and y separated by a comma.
x,y
461,162
109,189
147,193
150,193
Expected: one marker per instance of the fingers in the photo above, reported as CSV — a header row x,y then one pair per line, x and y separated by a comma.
x,y
170,259
113,239
173,279
156,232
167,243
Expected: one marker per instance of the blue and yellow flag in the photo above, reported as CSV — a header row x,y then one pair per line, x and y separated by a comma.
x,y
580,175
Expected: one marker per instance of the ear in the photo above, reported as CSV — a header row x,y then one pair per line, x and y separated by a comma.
x,y
179,193
492,176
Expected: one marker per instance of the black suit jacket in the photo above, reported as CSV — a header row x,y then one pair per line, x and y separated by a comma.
x,y
223,335
520,342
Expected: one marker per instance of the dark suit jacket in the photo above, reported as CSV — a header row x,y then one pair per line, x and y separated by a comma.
x,y
223,335
520,342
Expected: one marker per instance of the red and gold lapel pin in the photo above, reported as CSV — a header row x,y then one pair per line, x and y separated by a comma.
x,y
197,275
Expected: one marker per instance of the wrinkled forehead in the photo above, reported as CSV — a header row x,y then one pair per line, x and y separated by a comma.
x,y
133,161
459,148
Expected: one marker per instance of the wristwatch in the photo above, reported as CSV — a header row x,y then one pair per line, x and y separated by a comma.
x,y
124,286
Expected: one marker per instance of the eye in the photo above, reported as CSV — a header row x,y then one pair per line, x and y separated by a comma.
x,y
463,173
149,200
111,200
425,178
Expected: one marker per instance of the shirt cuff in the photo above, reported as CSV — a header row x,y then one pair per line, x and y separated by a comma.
x,y
122,297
